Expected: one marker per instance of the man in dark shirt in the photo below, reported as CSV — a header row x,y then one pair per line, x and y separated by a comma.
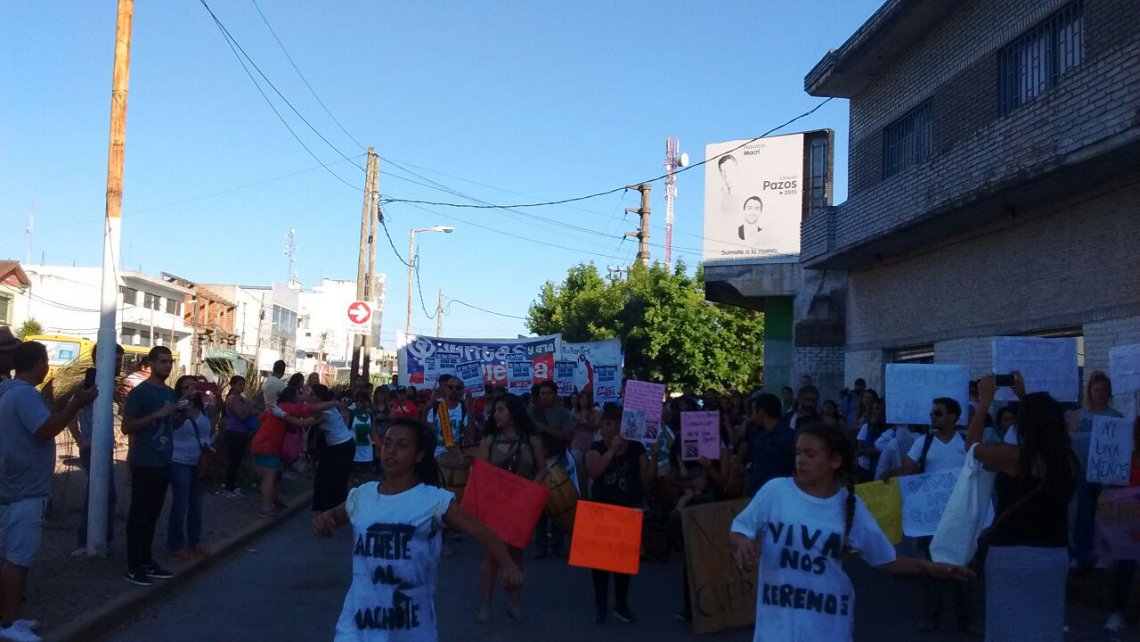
x,y
806,409
555,425
772,447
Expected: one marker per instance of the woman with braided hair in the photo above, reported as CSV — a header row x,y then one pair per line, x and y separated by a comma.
x,y
800,528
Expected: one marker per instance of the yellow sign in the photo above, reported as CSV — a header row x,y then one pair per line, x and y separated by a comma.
x,y
884,501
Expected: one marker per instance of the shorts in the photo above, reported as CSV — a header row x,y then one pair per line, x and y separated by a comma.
x,y
21,523
272,462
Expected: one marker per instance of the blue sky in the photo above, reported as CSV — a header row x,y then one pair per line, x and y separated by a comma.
x,y
506,102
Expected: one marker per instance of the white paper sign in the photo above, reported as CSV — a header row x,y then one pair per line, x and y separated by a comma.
x,y
520,377
1124,370
924,499
1110,451
913,387
471,372
1048,365
641,413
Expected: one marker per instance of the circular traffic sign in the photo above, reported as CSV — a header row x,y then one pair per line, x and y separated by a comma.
x,y
359,312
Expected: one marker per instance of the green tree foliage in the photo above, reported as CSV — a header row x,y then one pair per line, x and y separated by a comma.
x,y
670,333
30,328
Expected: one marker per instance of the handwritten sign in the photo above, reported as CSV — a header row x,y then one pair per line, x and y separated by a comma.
x,y
722,595
1110,451
505,503
564,374
1124,369
520,377
913,387
924,499
431,371
471,372
607,538
641,414
1118,523
700,435
607,384
447,363
1048,365
884,502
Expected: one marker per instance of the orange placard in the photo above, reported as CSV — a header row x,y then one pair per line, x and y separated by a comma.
x,y
607,537
503,502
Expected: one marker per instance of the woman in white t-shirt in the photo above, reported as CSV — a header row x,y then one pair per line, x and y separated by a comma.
x,y
334,466
800,528
193,436
396,527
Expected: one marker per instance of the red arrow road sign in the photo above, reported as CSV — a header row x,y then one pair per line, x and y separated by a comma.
x,y
359,312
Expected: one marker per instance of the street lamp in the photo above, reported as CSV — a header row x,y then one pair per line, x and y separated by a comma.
x,y
412,263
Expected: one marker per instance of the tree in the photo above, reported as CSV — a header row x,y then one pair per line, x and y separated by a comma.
x,y
30,328
669,332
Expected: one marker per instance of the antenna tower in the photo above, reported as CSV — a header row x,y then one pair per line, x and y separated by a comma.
x,y
672,160
291,252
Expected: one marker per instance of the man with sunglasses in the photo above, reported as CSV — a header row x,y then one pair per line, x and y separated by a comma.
x,y
452,393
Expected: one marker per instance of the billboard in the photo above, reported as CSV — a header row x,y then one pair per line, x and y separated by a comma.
x,y
421,358
753,199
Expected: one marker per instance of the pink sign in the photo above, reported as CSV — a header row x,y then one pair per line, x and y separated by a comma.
x,y
1118,523
504,502
700,435
641,411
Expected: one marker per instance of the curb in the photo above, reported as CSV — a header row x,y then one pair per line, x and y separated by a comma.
x,y
103,620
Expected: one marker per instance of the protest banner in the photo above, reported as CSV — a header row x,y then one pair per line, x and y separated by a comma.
x,y
1047,365
1110,451
607,384
1124,370
564,377
924,499
722,595
590,356
606,537
412,350
884,502
641,412
700,435
913,387
1118,523
471,372
507,504
520,377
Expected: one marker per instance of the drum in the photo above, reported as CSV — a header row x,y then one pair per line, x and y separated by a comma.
x,y
563,500
454,469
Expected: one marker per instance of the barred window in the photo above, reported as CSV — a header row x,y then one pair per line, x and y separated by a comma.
x,y
907,141
1034,62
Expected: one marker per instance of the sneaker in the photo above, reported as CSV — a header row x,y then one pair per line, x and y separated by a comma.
x,y
18,634
138,576
624,614
600,618
1115,622
156,572
30,625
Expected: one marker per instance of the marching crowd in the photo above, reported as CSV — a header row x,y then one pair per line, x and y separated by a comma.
x,y
389,460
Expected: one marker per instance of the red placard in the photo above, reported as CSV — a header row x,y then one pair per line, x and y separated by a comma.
x,y
504,502
607,538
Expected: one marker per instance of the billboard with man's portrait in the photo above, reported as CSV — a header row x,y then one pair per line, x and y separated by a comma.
x,y
753,199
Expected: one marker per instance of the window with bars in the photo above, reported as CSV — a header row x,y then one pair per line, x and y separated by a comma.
x,y
907,141
152,301
5,310
130,296
1033,63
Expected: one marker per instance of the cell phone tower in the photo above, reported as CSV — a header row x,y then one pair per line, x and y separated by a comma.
x,y
291,252
674,159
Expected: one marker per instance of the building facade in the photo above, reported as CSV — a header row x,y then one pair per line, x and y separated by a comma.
x,y
15,291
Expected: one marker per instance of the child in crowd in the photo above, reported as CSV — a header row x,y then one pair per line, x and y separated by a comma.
x,y
397,526
361,418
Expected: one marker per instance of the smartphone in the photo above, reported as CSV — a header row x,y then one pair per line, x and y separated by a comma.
x,y
184,404
89,378
1003,380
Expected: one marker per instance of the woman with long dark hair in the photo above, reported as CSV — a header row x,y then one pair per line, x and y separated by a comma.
x,y
330,484
191,437
1027,561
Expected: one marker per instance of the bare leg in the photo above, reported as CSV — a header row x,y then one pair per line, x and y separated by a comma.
x,y
514,609
488,575
268,488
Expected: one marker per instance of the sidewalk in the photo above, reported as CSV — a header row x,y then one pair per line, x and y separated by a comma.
x,y
77,598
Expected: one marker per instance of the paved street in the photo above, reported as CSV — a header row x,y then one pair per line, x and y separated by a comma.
x,y
289,585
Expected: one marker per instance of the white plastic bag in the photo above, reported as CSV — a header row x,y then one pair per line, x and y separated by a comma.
x,y
968,511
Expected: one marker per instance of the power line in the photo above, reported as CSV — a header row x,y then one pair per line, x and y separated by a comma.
x,y
475,307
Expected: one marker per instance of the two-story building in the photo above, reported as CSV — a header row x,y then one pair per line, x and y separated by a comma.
x,y
266,318
994,179
15,291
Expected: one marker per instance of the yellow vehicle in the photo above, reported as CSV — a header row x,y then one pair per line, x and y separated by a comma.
x,y
68,351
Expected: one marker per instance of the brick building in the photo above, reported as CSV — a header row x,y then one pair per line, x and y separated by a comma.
x,y
994,180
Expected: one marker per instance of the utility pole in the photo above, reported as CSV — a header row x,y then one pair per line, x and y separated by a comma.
x,y
370,293
642,233
362,259
439,314
102,433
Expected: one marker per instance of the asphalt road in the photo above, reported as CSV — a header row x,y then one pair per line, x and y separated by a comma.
x,y
289,586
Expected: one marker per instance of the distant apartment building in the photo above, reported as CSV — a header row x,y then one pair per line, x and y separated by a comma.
x,y
15,294
324,344
265,322
994,180
212,322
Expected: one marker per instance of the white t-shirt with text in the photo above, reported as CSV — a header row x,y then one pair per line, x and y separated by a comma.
x,y
942,455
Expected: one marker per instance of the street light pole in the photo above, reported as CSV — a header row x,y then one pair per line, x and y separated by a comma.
x,y
412,264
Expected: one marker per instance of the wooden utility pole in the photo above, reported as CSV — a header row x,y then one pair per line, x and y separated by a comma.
x,y
439,314
362,258
642,232
370,293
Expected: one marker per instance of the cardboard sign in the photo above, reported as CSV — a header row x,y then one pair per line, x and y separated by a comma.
x,y
520,377
471,373
924,499
1118,523
607,384
641,413
505,503
721,594
564,373
884,502
1047,365
700,435
607,538
913,387
1124,370
1110,451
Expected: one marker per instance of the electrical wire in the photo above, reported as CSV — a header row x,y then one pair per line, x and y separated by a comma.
x,y
475,307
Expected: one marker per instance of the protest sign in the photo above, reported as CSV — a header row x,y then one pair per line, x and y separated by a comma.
x,y
700,435
1118,523
471,372
913,387
412,350
564,377
924,499
607,384
431,371
1124,370
507,504
590,356
641,412
520,377
606,537
722,594
447,363
1110,451
1047,365
884,502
